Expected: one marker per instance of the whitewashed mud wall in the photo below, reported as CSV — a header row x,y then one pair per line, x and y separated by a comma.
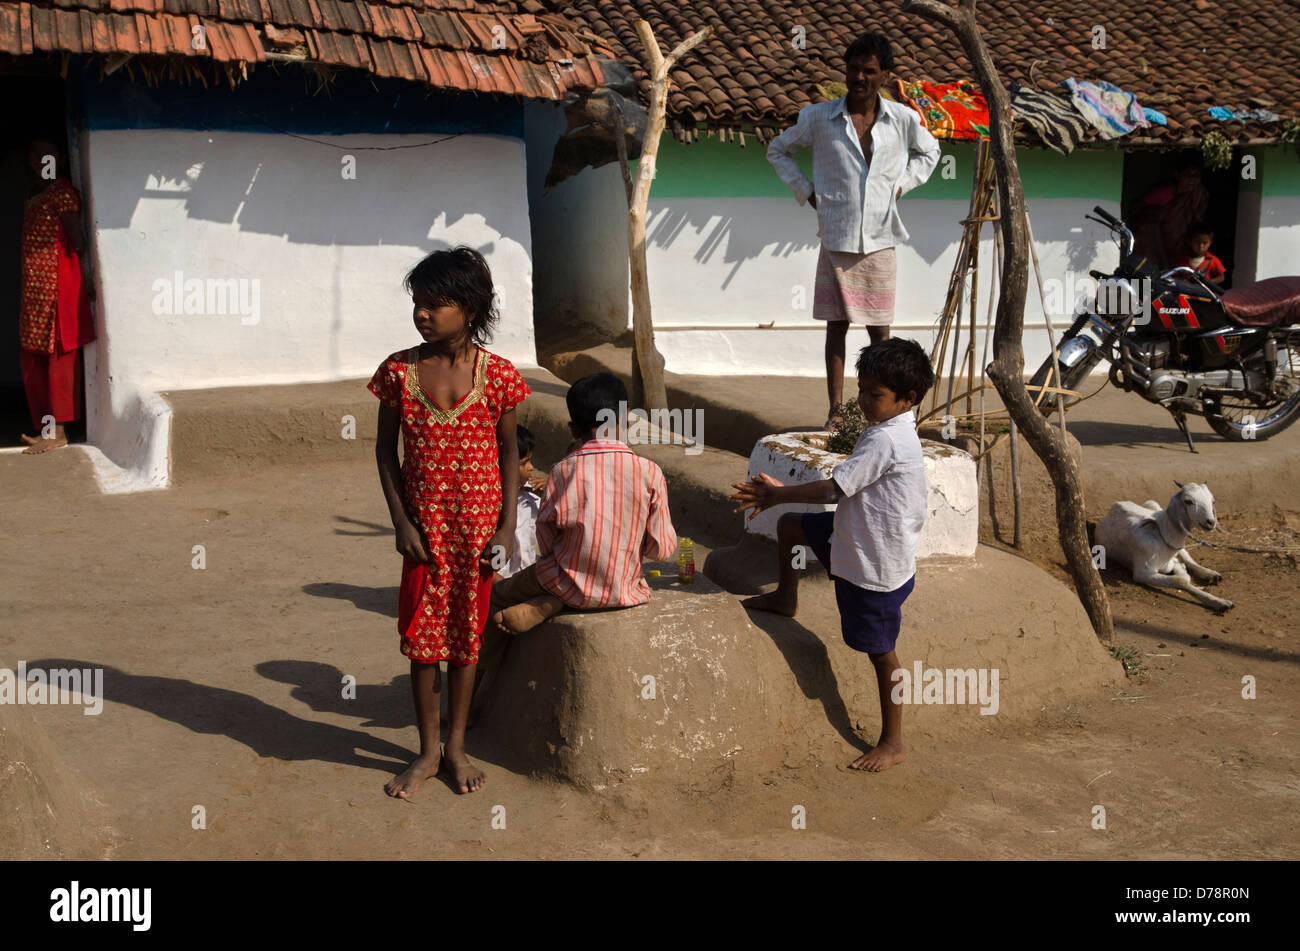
x,y
715,276
317,259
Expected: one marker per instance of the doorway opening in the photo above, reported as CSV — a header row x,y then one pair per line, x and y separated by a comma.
x,y
37,108
1147,171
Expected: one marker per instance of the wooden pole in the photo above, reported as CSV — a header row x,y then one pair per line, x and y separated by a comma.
x,y
648,389
1008,366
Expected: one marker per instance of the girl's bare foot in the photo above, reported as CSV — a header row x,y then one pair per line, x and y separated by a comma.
x,y
37,444
466,776
404,785
881,757
773,601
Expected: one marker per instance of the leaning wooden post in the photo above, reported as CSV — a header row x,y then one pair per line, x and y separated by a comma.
x,y
648,389
1008,366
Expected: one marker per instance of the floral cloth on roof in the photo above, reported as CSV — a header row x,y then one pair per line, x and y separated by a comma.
x,y
451,479
949,110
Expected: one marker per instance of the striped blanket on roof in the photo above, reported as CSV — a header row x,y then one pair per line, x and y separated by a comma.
x,y
1053,117
948,110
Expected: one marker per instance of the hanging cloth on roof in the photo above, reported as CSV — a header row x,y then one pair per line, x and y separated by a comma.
x,y
1052,116
948,110
1259,115
1154,116
1111,110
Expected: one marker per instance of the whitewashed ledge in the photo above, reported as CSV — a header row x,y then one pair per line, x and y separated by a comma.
x,y
952,514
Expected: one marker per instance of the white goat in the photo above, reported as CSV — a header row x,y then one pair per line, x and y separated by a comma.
x,y
1149,540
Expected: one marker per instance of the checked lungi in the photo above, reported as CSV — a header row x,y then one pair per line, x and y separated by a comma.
x,y
858,288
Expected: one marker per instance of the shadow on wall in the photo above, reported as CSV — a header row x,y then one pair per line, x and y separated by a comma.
x,y
285,186
730,231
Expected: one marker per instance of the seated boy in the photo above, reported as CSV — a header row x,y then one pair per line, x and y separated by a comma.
x,y
1200,260
604,511
868,544
525,552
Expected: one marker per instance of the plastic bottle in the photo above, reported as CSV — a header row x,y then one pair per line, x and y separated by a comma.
x,y
685,561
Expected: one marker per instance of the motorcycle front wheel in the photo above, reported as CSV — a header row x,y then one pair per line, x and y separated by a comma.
x,y
1242,420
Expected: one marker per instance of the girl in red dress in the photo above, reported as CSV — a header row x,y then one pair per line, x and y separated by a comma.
x,y
453,499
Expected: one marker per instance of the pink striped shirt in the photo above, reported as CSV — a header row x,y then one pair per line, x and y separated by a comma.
x,y
605,510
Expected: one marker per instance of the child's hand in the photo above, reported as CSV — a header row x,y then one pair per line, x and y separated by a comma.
x,y
755,494
410,542
537,482
504,540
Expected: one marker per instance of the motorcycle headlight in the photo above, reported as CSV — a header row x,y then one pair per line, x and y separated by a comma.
x,y
1118,297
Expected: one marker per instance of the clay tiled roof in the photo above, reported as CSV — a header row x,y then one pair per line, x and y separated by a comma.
x,y
517,49
1178,56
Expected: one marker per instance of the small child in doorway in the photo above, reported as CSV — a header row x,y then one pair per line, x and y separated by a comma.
x,y
868,544
1199,239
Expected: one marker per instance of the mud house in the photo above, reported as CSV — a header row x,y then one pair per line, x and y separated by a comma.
x,y
732,255
257,176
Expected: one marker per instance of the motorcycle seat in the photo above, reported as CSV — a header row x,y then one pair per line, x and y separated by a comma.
x,y
1270,303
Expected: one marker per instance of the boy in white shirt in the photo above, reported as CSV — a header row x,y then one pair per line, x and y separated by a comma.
x,y
868,544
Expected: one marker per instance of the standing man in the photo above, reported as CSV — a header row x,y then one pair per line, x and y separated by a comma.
x,y
867,152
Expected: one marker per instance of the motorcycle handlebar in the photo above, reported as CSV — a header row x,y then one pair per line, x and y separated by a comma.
x,y
1105,215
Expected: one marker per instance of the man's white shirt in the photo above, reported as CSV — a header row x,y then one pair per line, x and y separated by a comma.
x,y
857,208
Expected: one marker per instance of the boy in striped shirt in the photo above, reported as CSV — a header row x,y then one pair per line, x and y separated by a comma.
x,y
604,511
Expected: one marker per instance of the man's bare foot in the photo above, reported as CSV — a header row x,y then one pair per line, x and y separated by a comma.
x,y
833,421
519,618
881,757
773,601
465,775
404,785
37,444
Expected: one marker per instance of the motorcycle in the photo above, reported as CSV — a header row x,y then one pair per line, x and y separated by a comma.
x,y
1179,341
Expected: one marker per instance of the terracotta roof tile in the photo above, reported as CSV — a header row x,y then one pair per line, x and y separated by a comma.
x,y
512,48
1238,49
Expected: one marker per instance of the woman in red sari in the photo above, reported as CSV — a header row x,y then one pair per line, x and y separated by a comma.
x,y
54,320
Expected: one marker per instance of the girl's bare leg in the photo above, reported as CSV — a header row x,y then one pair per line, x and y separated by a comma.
x,y
467,776
425,683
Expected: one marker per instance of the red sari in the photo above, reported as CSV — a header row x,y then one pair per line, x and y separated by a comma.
x,y
451,479
54,319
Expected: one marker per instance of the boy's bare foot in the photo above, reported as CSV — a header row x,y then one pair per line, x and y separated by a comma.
x,y
404,785
773,601
519,618
37,444
881,757
465,775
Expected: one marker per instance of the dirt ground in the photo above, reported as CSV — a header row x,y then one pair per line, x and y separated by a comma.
x,y
224,692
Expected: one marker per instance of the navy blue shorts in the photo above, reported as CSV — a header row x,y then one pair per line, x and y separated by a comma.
x,y
869,620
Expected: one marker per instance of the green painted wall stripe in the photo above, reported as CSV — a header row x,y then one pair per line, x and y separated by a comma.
x,y
711,168
1279,172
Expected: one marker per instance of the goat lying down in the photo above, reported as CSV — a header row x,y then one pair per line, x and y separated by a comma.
x,y
1149,540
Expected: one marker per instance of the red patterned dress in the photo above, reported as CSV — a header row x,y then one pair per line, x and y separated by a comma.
x,y
54,319
452,479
